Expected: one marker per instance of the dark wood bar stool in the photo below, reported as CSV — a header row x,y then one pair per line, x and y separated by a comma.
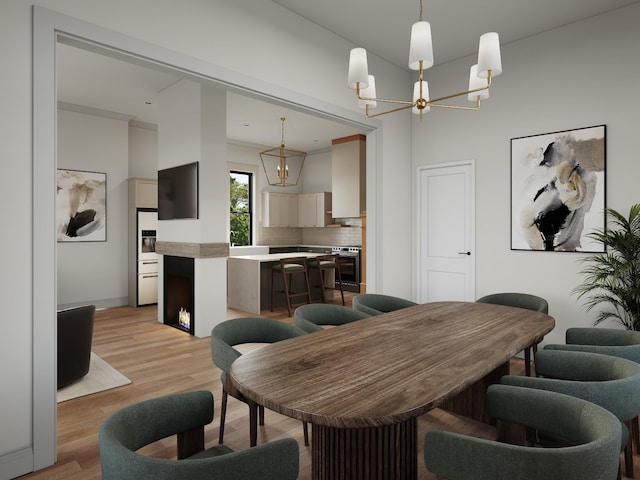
x,y
323,264
287,268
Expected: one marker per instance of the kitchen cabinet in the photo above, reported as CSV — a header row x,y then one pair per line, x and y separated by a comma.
x,y
143,192
280,209
313,208
348,176
142,225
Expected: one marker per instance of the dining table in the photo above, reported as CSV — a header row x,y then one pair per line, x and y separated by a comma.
x,y
363,385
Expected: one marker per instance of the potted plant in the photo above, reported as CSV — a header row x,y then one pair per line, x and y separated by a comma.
x,y
613,277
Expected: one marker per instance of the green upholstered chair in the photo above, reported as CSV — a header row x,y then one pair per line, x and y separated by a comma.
x,y
237,331
323,264
185,415
611,382
310,318
376,304
520,300
590,436
607,341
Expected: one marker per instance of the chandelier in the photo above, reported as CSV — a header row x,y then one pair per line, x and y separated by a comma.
x,y
275,163
420,58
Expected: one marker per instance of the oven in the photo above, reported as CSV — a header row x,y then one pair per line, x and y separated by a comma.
x,y
349,262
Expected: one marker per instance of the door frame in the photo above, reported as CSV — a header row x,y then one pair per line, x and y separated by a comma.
x,y
48,28
472,221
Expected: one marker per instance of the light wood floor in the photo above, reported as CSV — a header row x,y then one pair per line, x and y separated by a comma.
x,y
161,360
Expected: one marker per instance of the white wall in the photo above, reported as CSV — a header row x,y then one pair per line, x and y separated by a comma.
x,y
143,151
581,75
96,272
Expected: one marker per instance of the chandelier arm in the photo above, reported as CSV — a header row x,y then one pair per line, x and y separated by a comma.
x,y
406,107
447,97
383,100
457,107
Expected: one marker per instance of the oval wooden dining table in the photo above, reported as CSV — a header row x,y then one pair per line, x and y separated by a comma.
x,y
363,385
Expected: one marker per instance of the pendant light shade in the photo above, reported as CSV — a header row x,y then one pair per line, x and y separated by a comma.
x,y
421,47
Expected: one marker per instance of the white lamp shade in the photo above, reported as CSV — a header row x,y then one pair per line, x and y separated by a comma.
x,y
416,96
358,69
421,47
369,92
477,82
489,55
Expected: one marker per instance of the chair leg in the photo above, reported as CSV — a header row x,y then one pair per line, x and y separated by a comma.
x,y
320,270
223,414
635,433
286,290
305,431
253,424
628,452
340,283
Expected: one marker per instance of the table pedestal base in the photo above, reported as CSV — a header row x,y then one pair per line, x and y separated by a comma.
x,y
388,452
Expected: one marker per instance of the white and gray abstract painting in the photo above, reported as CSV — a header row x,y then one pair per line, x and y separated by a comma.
x,y
558,190
81,206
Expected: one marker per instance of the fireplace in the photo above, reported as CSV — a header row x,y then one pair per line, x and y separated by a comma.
x,y
179,293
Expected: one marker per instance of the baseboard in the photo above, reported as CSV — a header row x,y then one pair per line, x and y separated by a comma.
x,y
16,464
100,304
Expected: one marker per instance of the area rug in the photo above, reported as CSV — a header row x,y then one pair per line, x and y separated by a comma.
x,y
101,377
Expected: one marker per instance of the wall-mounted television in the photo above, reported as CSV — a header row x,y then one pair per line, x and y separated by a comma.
x,y
178,192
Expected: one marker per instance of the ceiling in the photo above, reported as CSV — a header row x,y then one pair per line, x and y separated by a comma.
x,y
92,80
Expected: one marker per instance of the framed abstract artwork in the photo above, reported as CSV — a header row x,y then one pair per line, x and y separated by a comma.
x,y
558,190
81,206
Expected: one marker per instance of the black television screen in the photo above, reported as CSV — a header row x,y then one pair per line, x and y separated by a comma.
x,y
178,192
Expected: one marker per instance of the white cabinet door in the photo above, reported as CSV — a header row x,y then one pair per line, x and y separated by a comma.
x,y
280,209
307,210
147,288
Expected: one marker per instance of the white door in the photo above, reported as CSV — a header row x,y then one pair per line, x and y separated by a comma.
x,y
446,235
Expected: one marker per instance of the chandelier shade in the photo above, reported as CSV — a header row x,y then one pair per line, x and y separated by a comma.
x,y
282,165
489,65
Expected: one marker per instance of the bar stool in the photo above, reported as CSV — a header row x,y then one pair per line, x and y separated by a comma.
x,y
288,267
323,263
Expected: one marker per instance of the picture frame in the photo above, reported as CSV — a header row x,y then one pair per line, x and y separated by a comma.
x,y
558,190
81,206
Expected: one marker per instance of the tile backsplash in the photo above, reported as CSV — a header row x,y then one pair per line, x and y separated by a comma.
x,y
329,236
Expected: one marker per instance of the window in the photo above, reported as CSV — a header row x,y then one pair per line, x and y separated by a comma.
x,y
241,210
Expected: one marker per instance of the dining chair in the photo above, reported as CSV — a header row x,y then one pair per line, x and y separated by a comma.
x,y
611,382
185,415
232,333
312,318
376,304
607,341
590,437
520,300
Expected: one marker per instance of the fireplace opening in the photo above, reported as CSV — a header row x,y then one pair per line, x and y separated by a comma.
x,y
179,293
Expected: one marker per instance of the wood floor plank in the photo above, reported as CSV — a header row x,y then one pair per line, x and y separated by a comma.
x,y
161,360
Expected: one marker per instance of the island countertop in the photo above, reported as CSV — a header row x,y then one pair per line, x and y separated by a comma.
x,y
249,279
275,257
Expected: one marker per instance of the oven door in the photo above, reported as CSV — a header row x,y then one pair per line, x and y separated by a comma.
x,y
350,272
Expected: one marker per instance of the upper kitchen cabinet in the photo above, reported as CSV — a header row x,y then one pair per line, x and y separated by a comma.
x,y
348,176
313,208
143,192
280,209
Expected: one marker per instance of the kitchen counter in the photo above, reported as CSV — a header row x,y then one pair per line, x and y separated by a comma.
x,y
249,280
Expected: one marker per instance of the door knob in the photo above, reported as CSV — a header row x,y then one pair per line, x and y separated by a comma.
x,y
464,253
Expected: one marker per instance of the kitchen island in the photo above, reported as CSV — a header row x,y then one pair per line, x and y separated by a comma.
x,y
249,281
